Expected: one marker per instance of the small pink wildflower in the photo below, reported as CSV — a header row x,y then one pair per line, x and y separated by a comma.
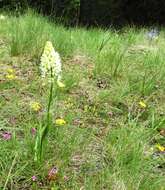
x,y
52,173
77,122
33,131
34,178
66,178
110,114
6,136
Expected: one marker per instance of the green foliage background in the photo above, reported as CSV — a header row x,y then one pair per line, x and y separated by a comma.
x,y
120,12
96,12
66,10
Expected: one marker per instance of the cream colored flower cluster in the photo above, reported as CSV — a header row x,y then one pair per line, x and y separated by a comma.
x,y
50,62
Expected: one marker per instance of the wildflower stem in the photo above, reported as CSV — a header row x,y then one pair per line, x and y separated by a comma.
x,y
50,100
44,128
119,61
143,84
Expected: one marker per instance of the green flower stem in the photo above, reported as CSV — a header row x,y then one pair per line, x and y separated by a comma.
x,y
44,129
49,103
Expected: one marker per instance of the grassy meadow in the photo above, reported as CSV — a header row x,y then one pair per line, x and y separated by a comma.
x,y
113,104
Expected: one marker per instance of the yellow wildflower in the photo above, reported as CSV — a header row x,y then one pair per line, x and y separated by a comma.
x,y
35,106
142,104
60,84
160,148
10,71
60,122
10,76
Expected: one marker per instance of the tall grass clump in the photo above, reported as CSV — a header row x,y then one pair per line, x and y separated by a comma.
x,y
110,59
28,34
146,76
128,159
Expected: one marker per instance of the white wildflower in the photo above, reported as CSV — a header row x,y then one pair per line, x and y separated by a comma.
x,y
50,62
2,17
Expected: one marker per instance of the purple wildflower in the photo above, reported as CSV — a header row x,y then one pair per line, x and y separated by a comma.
x,y
33,131
110,114
34,178
52,173
66,178
6,136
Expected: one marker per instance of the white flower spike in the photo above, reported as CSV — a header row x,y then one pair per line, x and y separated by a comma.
x,y
50,62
